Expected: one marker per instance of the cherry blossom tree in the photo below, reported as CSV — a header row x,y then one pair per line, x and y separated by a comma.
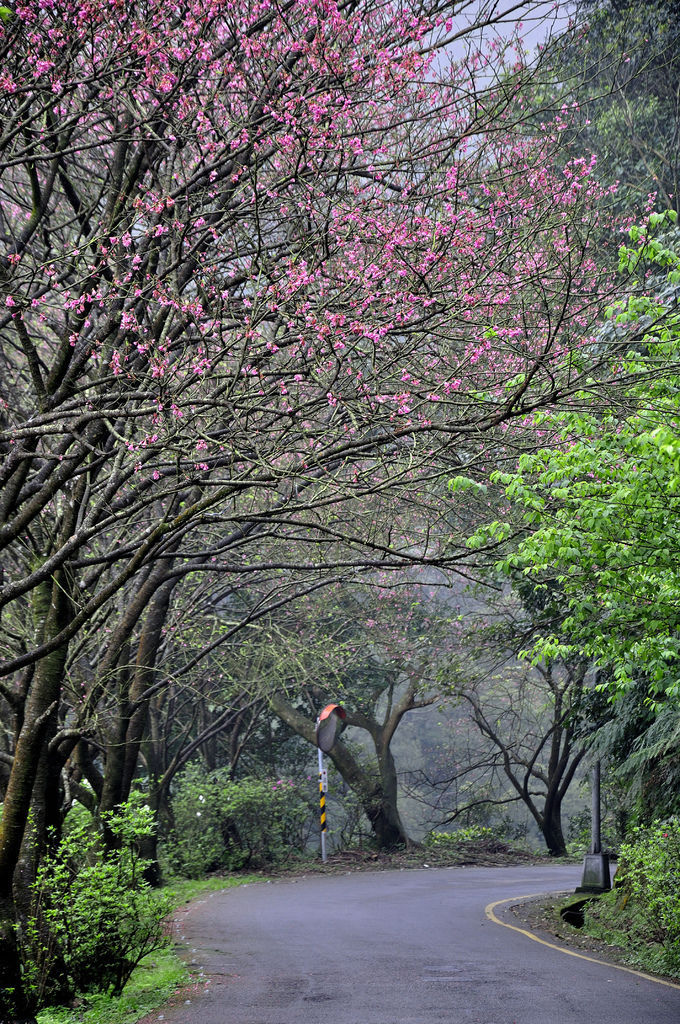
x,y
268,270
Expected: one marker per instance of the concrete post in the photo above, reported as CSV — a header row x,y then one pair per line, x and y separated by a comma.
x,y
596,876
596,834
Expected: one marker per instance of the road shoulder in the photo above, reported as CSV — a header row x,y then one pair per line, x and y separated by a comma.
x,y
538,918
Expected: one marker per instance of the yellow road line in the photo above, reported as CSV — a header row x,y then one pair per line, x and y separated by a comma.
x,y
489,910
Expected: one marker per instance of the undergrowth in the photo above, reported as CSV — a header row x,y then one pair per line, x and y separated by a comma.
x,y
155,980
624,923
642,913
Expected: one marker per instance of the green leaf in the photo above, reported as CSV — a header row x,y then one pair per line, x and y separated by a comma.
x,y
465,483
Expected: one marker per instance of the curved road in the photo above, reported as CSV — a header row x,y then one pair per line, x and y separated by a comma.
x,y
397,947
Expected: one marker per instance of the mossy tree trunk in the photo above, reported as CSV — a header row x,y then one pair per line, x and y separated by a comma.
x,y
51,608
375,783
135,691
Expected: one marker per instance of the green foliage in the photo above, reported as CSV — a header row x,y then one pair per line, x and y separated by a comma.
x,y
93,916
465,483
222,825
454,840
158,976
579,832
643,911
650,865
639,743
601,507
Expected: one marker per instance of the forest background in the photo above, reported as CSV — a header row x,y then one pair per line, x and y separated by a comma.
x,y
339,363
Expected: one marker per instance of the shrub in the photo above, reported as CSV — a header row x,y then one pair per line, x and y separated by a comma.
x,y
650,867
193,846
224,825
93,916
452,840
267,820
642,913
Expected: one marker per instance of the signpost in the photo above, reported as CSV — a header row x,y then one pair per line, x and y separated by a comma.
x,y
329,725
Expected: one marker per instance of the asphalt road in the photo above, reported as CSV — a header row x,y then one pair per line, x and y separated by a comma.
x,y
397,947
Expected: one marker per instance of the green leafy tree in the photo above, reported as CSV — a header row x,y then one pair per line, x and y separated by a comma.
x,y
599,507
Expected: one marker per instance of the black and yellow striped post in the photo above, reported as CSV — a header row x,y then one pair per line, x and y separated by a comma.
x,y
323,785
329,725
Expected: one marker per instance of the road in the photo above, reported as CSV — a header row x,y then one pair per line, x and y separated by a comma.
x,y
397,947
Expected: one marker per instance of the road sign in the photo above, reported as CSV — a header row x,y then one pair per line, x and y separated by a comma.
x,y
329,725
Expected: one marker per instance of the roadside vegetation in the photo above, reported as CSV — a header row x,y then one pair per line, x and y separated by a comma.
x,y
159,976
641,914
637,923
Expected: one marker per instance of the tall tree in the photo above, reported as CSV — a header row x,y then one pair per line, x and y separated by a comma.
x,y
376,652
530,717
598,507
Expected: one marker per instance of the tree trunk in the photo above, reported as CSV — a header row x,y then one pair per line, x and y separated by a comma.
x,y
385,822
50,609
14,1008
377,791
551,828
132,725
42,835
388,826
147,847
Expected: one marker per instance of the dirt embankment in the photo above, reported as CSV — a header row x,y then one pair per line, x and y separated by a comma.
x,y
482,853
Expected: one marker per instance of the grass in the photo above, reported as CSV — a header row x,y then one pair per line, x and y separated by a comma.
x,y
156,979
158,976
183,890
